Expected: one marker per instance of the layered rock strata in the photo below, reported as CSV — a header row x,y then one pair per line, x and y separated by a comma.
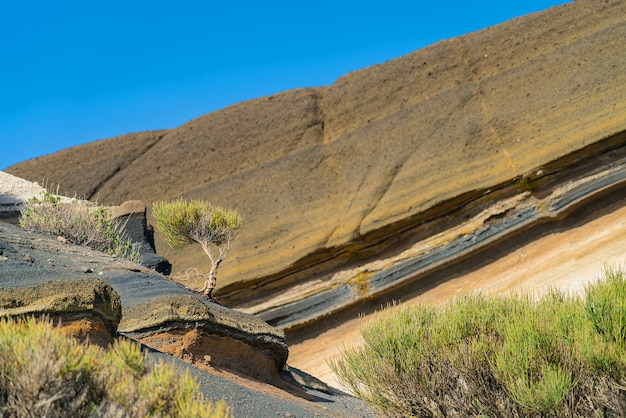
x,y
42,275
547,196
87,309
208,335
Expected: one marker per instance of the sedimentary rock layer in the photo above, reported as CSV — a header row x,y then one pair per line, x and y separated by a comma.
x,y
40,275
87,308
550,196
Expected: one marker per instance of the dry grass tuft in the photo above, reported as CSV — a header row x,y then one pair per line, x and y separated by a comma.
x,y
45,373
80,223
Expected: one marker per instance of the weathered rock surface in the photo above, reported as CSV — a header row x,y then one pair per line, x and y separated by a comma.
x,y
368,169
89,309
131,216
497,215
40,275
208,335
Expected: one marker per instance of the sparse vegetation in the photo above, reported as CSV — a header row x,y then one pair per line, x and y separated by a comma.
x,y
183,222
561,355
46,373
80,223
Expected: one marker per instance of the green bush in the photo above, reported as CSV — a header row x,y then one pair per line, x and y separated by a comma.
x,y
214,228
606,305
537,360
80,223
46,373
560,355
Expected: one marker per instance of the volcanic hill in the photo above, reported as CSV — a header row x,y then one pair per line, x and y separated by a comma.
x,y
400,167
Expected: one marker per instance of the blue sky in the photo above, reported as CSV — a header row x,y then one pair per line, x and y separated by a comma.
x,y
73,72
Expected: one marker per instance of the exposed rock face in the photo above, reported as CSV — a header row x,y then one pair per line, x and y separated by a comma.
x,y
481,226
208,335
131,216
333,178
40,275
89,309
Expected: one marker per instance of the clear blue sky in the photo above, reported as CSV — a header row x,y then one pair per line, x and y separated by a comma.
x,y
72,72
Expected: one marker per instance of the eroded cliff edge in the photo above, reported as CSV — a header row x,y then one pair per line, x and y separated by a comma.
x,y
334,178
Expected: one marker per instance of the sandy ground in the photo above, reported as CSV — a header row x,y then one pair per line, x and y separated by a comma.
x,y
566,260
14,191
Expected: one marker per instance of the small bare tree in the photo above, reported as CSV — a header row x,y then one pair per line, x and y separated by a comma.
x,y
214,228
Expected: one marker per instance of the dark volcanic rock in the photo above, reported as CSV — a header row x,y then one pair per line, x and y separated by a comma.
x,y
63,278
131,216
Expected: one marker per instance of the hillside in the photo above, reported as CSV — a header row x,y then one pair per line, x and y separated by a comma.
x,y
482,127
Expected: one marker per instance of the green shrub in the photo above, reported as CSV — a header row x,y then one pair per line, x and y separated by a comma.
x,y
183,222
538,361
606,305
560,355
80,223
45,373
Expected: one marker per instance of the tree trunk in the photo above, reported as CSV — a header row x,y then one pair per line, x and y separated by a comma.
x,y
209,285
211,282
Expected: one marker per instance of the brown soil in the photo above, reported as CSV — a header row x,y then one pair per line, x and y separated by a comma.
x,y
212,352
91,330
225,357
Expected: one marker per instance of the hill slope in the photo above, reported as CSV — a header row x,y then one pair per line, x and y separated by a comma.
x,y
328,177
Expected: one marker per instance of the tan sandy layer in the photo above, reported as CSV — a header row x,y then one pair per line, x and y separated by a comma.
x,y
566,260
